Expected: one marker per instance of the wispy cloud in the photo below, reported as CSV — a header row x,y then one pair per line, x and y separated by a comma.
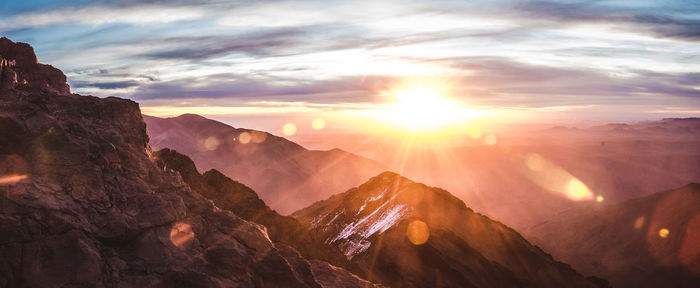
x,y
100,15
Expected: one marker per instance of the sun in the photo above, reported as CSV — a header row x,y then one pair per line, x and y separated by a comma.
x,y
422,107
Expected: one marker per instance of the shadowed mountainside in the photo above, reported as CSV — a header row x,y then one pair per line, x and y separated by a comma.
x,y
82,203
626,242
284,174
381,224
244,202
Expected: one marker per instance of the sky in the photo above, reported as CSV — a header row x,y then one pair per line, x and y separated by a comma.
x,y
262,64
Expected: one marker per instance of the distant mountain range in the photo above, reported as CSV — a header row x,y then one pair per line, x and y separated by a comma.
x,y
617,166
647,242
286,175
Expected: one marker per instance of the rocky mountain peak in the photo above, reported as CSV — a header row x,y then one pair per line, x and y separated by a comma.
x,y
407,234
21,70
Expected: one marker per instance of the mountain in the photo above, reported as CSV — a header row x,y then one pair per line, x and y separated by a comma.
x,y
405,234
244,202
677,127
284,174
647,242
83,203
497,181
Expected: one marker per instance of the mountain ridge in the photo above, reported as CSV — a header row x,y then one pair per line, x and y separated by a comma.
x,y
369,223
244,202
285,175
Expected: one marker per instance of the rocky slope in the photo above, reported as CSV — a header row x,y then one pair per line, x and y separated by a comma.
x,y
83,204
244,202
405,234
285,175
648,242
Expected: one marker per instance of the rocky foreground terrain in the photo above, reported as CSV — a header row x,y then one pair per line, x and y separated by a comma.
x,y
84,204
244,202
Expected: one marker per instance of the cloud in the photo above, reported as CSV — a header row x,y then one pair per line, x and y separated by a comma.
x,y
658,21
502,81
265,43
99,15
105,85
236,86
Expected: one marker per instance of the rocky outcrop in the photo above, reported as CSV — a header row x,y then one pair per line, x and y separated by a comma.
x,y
406,234
83,203
244,202
22,70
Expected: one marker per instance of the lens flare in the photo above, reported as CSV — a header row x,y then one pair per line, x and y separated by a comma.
x,y
418,232
490,140
258,136
289,129
663,233
12,179
244,138
599,199
639,223
212,143
555,179
181,234
318,124
690,249
577,190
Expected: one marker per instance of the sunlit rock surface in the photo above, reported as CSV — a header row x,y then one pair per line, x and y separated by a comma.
x,y
405,234
82,203
652,241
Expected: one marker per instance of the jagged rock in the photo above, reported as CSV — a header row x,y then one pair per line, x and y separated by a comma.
x,y
23,71
82,203
244,202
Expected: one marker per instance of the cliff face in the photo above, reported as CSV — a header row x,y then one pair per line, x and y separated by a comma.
x,y
21,70
83,203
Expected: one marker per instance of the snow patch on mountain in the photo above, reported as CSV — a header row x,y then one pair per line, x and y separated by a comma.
x,y
375,198
353,237
386,220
